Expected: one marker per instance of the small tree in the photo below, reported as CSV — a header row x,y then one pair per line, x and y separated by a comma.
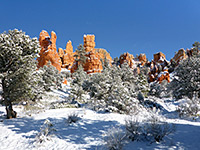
x,y
52,78
80,55
18,68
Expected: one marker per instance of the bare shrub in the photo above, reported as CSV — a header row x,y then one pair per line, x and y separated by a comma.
x,y
114,139
73,118
45,132
153,129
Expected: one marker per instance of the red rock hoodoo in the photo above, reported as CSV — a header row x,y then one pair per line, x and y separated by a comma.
x,y
158,71
48,50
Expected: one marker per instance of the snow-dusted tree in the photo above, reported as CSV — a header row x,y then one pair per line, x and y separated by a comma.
x,y
80,55
160,90
187,78
142,84
51,77
18,67
77,84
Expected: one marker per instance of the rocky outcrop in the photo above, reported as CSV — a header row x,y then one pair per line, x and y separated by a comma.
x,y
93,63
158,68
159,57
143,59
127,58
60,52
180,55
48,50
67,56
89,42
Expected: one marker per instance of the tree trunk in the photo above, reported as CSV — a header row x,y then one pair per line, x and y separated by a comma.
x,y
9,110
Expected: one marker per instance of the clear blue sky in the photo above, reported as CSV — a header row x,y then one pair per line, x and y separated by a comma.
x,y
134,26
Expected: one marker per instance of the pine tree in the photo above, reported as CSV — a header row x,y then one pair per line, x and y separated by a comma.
x,y
18,68
80,57
187,78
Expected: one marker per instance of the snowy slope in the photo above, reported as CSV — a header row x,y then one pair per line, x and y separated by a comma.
x,y
89,132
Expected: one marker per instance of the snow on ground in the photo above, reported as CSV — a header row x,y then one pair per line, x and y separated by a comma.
x,y
88,133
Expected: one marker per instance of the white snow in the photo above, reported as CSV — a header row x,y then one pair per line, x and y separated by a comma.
x,y
88,133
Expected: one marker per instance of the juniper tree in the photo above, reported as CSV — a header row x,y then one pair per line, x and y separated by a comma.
x,y
80,55
18,68
187,78
51,77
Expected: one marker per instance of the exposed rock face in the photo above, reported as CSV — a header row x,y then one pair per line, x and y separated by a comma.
x,y
93,63
158,71
60,52
69,48
159,57
89,43
164,75
180,56
128,58
68,56
48,50
143,59
94,56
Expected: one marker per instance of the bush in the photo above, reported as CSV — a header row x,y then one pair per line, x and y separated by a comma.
x,y
153,129
45,132
114,139
73,118
160,90
189,108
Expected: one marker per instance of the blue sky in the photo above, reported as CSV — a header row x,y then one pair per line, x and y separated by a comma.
x,y
134,26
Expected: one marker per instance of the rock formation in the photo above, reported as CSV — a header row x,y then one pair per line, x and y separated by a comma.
x,y
89,43
180,56
48,50
93,63
158,70
94,56
143,59
127,58
67,55
159,57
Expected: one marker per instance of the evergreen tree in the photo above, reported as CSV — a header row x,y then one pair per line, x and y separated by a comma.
x,y
187,78
51,77
77,84
196,49
80,55
18,68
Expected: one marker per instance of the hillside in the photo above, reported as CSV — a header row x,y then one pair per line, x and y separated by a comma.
x,y
90,131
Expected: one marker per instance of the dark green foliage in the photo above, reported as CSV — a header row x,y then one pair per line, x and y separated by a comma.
x,y
187,78
18,68
80,55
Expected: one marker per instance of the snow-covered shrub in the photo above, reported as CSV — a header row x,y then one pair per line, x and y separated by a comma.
x,y
45,132
114,90
189,108
79,77
160,90
153,129
158,129
73,118
51,77
187,78
114,138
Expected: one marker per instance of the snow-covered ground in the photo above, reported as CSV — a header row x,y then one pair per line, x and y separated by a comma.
x,y
89,132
